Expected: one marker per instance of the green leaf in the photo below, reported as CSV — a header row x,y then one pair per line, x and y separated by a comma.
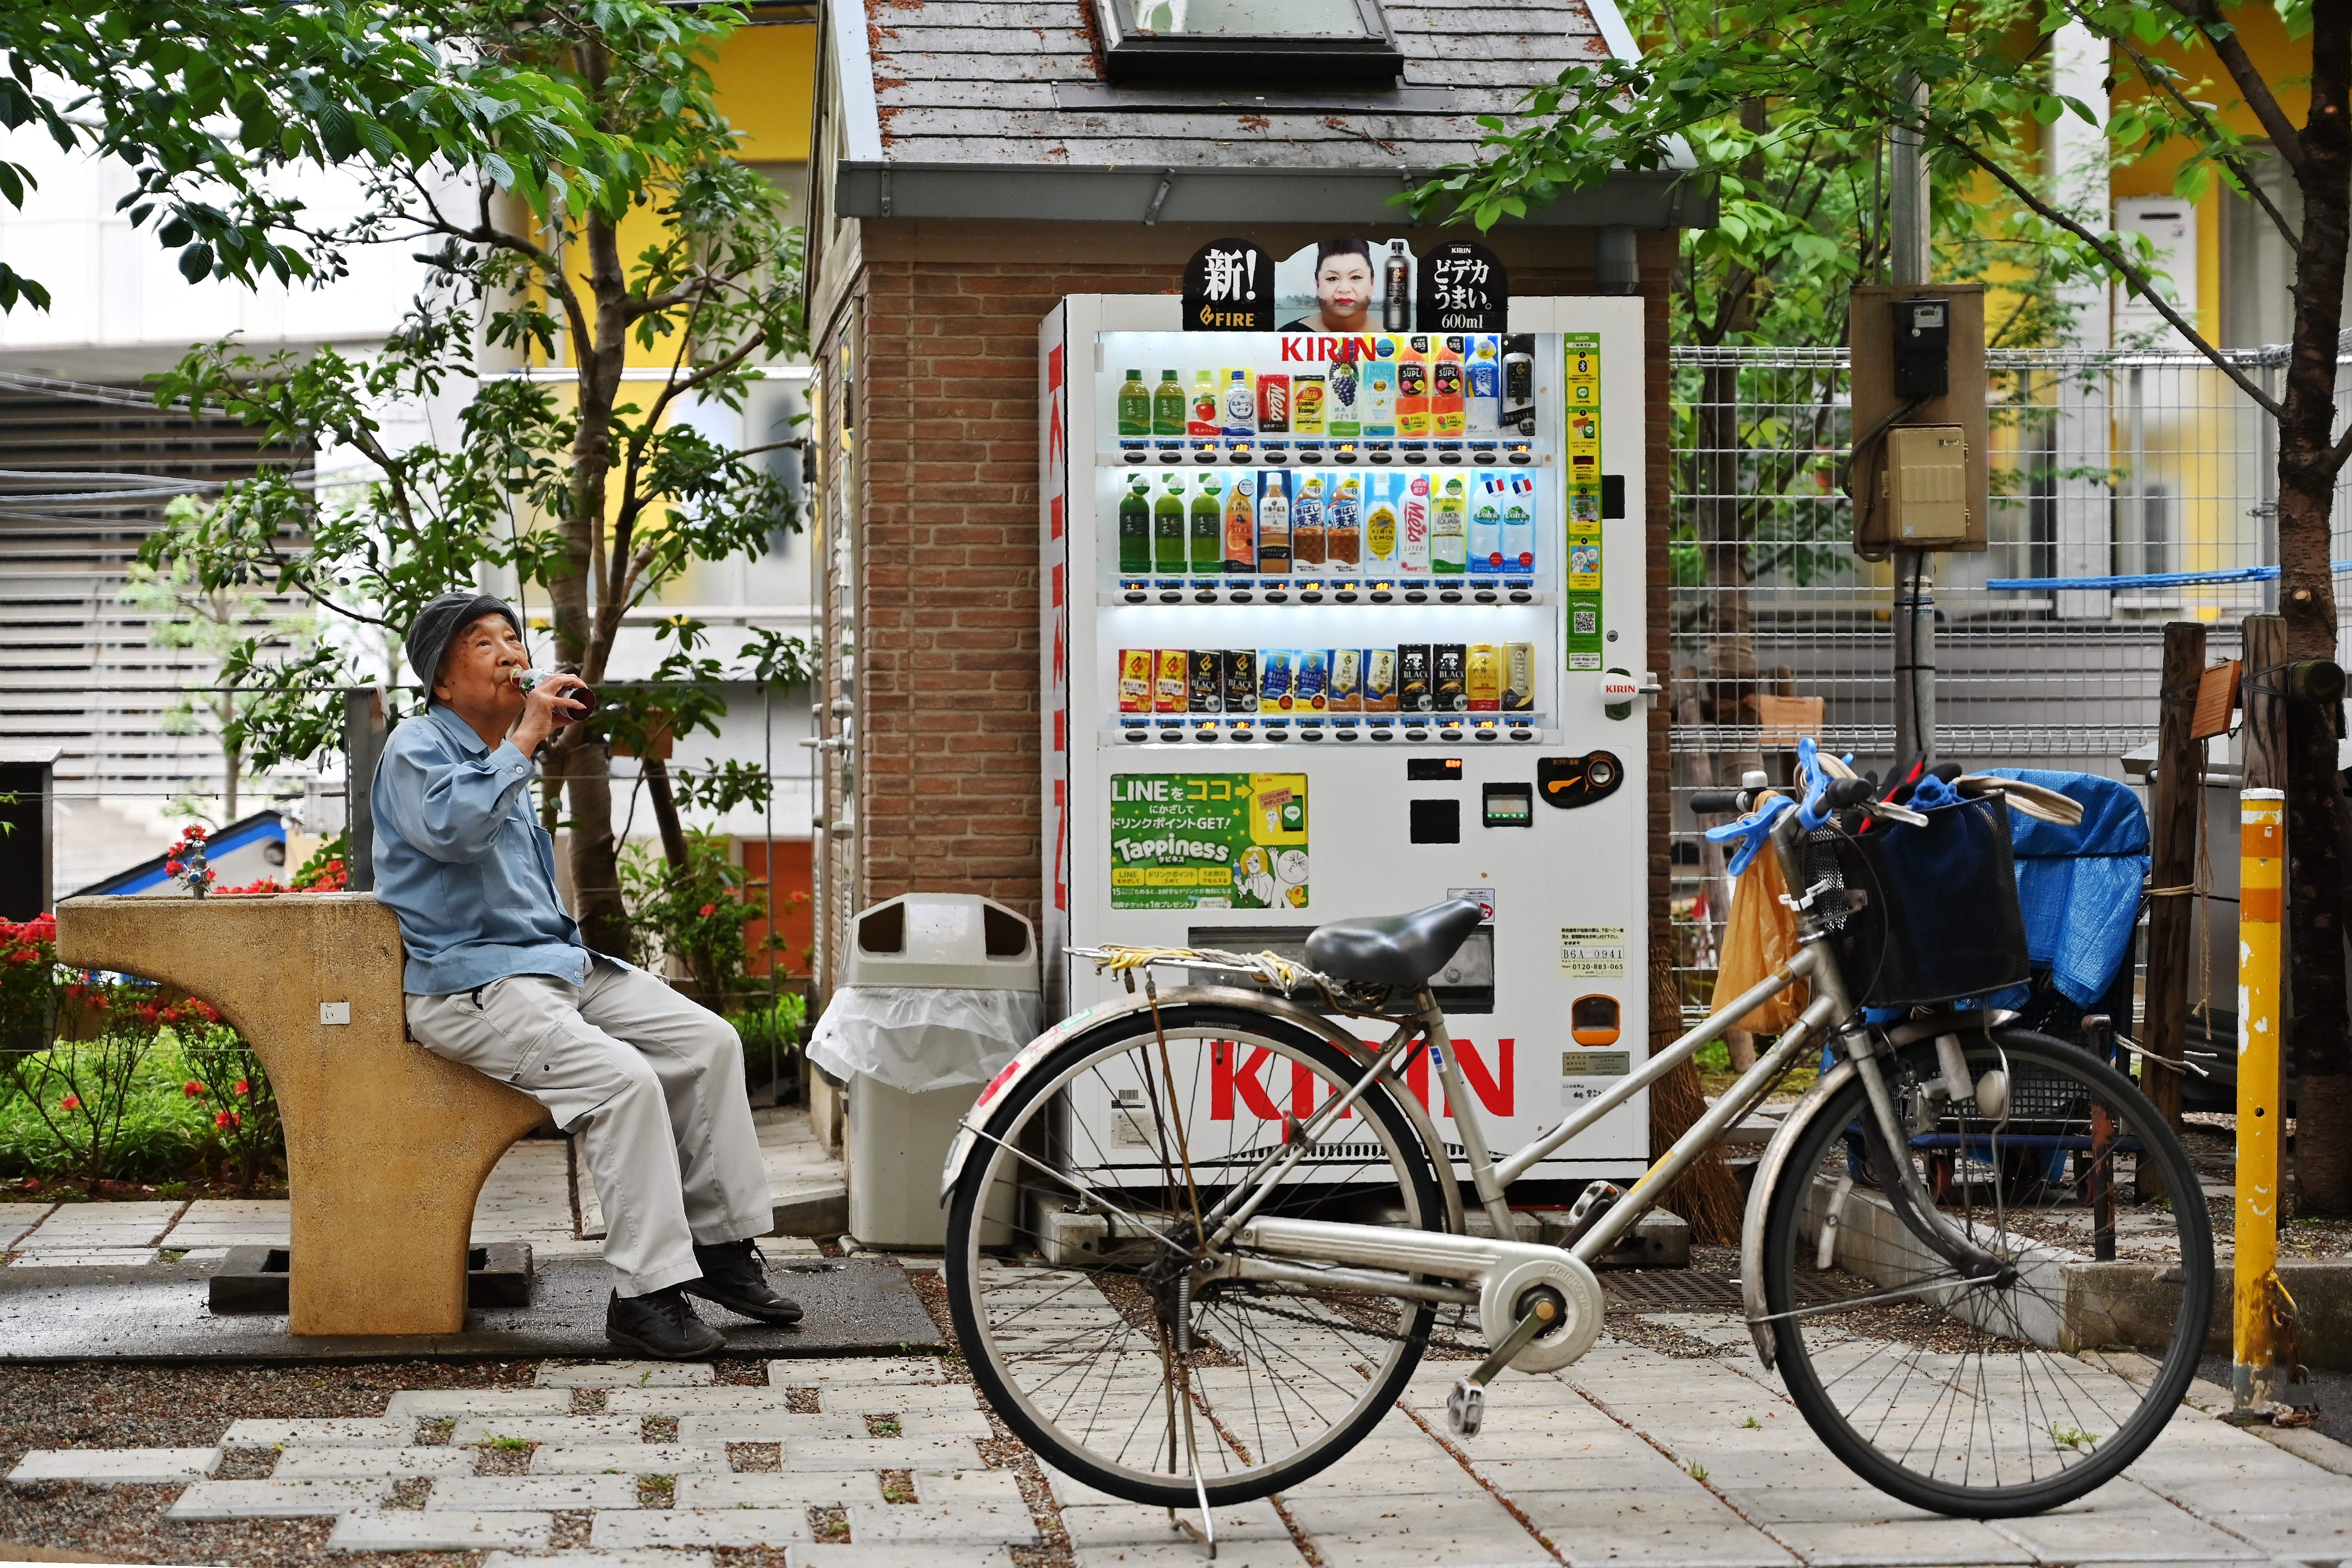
x,y
196,262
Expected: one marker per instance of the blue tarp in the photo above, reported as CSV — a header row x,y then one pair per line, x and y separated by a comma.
x,y
2080,887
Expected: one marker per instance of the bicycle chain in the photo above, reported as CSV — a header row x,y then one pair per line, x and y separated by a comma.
x,y
1431,1342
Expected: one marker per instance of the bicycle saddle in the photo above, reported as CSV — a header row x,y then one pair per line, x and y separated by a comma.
x,y
1394,950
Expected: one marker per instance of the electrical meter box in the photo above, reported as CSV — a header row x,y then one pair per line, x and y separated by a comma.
x,y
1304,659
1918,363
1927,484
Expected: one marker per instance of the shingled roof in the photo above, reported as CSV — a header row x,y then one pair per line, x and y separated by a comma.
x,y
1001,109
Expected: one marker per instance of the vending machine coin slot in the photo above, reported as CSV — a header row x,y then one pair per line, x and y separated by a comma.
x,y
1593,1020
1508,806
1433,770
1436,821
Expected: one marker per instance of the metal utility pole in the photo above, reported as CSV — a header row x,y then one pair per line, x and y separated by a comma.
x,y
1914,572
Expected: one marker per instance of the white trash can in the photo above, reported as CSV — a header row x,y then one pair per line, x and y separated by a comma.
x,y
937,992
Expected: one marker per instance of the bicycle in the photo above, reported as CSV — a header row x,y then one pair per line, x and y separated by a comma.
x,y
1178,1318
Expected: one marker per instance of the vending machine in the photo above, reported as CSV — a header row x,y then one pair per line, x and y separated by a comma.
x,y
1346,624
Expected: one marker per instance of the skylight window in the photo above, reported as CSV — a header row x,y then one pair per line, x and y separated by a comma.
x,y
1212,43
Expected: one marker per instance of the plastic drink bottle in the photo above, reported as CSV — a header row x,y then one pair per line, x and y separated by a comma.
x,y
1134,406
1203,419
1518,416
1412,524
1448,408
1208,533
1379,399
1135,530
1273,521
1396,297
1308,533
1520,525
1380,528
1413,390
1482,389
1169,408
1241,405
1343,415
1449,529
1343,524
1486,526
1167,531
1241,527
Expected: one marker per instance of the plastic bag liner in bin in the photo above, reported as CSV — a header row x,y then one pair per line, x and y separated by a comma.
x,y
1937,920
917,1039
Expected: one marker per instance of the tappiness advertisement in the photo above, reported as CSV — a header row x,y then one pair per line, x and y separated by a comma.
x,y
1203,841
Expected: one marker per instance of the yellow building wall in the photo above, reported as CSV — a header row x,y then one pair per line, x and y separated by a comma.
x,y
766,77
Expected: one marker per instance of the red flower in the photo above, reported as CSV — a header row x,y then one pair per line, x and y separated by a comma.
x,y
243,1086
707,910
228,1118
173,867
197,834
192,1088
203,1010
70,1102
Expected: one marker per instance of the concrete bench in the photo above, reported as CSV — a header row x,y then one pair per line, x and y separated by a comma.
x,y
386,1144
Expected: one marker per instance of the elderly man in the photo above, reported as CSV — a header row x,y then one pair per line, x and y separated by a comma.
x,y
498,978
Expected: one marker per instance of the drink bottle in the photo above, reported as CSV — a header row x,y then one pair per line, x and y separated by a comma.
x,y
1379,399
1134,406
1274,404
1486,526
1207,525
1343,524
1168,407
1448,407
1380,526
1449,529
529,680
1241,527
1520,525
1413,390
1203,420
1396,304
1482,389
1273,521
1343,417
1167,530
1412,525
1518,415
1135,530
1308,533
1241,405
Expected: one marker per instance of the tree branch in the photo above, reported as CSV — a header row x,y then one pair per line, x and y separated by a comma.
x,y
2205,17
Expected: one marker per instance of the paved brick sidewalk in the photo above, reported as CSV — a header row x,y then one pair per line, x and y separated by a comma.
x,y
1633,1456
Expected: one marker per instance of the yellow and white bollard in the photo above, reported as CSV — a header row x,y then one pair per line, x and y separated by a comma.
x,y
2261,886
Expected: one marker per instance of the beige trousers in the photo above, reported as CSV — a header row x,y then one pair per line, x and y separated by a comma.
x,y
652,1087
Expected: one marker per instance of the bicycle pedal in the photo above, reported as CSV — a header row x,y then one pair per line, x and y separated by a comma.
x,y
1466,1409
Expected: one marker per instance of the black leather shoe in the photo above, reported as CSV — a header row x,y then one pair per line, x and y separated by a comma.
x,y
735,1276
661,1325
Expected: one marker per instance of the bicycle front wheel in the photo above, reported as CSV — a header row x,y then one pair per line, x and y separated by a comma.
x,y
1073,1238
1970,1397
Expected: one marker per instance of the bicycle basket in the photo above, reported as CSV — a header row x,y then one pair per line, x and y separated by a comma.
x,y
1939,918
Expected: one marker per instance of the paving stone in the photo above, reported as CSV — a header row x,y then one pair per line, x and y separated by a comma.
x,y
881,1454
231,1222
17,1218
625,1375
2080,1534
95,1227
628,1459
694,1401
892,1556
275,1498
2313,1534
511,1494
700,1527
600,1559
86,1258
1127,1523
988,1486
442,1404
570,1431
968,1519
816,1372
1183,1551
765,1426
770,1489
114,1467
944,1423
1373,1531
894,1399
363,1431
1897,1543
328,1463
430,1529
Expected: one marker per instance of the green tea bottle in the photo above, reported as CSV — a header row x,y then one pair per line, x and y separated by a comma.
x,y
1170,407
1168,529
1135,532
1134,406
1208,531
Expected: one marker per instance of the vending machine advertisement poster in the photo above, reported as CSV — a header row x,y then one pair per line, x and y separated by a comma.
x,y
1332,598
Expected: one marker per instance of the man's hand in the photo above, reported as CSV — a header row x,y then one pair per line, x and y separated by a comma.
x,y
547,707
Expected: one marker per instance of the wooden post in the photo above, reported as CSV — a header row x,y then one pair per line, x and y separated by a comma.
x,y
2264,702
2172,864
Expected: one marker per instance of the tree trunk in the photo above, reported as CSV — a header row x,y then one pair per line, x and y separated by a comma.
x,y
2179,787
233,757
2317,1023
1705,1195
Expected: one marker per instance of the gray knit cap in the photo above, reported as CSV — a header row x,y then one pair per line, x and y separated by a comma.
x,y
443,620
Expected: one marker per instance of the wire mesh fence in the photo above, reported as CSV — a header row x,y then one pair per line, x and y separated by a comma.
x,y
2127,464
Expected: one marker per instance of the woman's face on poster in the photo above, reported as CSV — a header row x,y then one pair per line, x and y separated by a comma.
x,y
1343,290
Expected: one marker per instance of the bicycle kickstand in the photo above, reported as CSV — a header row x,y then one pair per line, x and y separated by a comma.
x,y
1465,1406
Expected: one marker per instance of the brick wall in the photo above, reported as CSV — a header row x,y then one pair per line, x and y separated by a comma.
x,y
947,452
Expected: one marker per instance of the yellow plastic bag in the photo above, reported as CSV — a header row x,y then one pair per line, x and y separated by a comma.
x,y
1760,936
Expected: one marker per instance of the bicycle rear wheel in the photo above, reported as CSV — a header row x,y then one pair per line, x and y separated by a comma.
x,y
1073,1225
1953,1395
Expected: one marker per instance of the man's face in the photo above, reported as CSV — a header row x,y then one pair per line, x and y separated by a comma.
x,y
478,673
